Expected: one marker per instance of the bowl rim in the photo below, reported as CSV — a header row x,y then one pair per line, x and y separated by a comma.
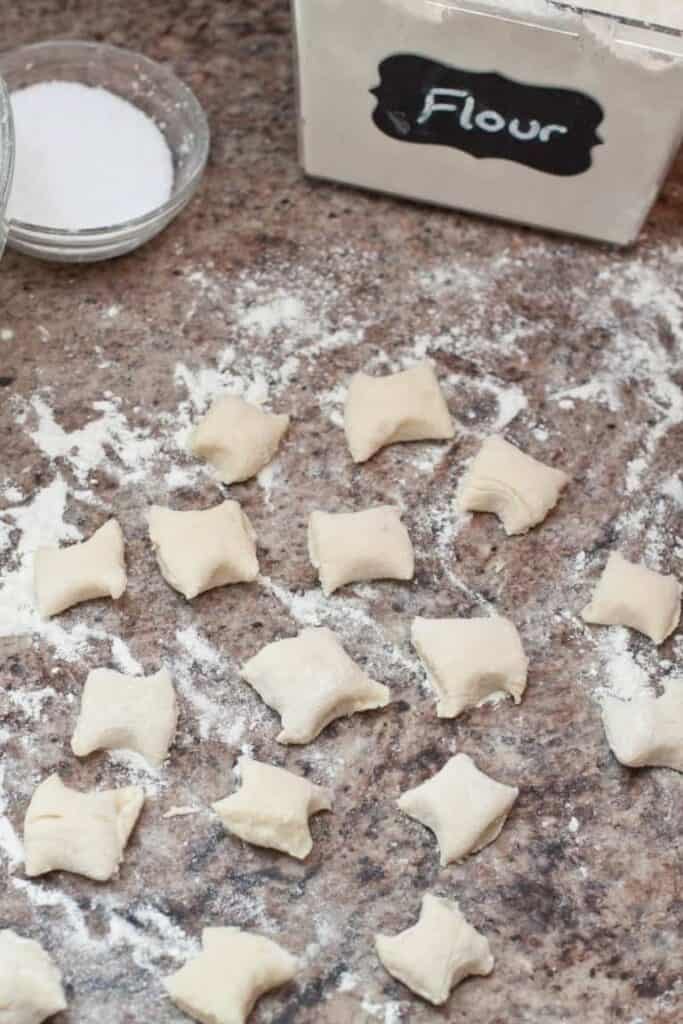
x,y
175,200
6,151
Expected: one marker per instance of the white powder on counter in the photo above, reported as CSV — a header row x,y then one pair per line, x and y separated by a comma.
x,y
85,158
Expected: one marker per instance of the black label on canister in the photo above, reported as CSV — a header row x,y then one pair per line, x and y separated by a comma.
x,y
486,114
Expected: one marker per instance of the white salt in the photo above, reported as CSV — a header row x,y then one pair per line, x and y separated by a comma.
x,y
85,158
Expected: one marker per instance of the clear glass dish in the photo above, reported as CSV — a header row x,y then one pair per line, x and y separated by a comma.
x,y
152,88
6,159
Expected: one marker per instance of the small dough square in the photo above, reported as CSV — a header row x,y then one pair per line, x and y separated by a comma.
x,y
350,547
234,969
310,680
85,833
272,808
437,953
197,551
632,595
121,712
405,406
471,660
237,438
67,576
465,808
30,983
505,481
647,730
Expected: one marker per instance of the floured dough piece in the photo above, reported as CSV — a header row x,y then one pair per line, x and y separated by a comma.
x,y
465,808
30,983
234,969
85,833
66,576
237,438
128,713
647,730
200,550
349,547
471,660
310,681
631,595
272,808
437,953
406,406
512,485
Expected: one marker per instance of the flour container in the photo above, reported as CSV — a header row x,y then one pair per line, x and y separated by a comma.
x,y
528,110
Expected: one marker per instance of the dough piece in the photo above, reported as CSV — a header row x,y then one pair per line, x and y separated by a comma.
x,y
465,808
631,595
647,730
406,406
348,547
437,953
272,808
126,712
310,681
200,550
237,438
234,969
512,485
66,576
85,833
30,983
471,660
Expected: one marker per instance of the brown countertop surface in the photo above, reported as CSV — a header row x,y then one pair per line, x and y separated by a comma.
x,y
271,284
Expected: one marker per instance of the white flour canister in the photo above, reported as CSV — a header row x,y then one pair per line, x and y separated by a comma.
x,y
528,110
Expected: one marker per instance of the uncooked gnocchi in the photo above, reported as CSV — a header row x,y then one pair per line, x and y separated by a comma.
x,y
272,808
349,547
465,808
237,438
632,595
197,551
437,953
471,660
406,406
310,680
85,833
30,983
234,969
647,730
67,576
126,712
519,490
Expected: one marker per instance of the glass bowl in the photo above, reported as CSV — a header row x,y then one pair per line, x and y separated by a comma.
x,y
149,86
6,159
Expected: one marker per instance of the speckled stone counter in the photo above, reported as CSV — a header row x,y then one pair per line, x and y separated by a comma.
x,y
273,285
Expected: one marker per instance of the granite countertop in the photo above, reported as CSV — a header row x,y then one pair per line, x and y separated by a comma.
x,y
271,284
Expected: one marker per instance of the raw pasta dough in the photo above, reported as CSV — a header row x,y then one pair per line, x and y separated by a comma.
x,y
471,660
272,808
30,984
200,550
126,712
631,595
237,438
647,730
348,547
518,489
465,808
437,953
406,406
310,681
66,576
234,969
85,833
